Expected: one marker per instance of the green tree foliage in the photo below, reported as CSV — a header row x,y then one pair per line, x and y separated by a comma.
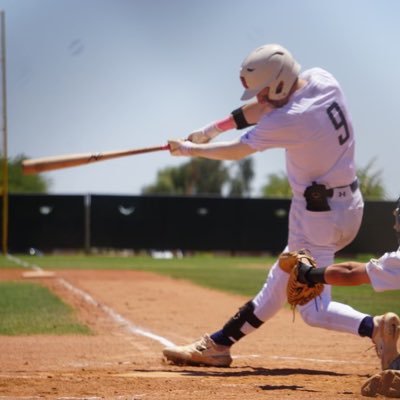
x,y
203,176
242,176
371,184
20,183
197,176
277,186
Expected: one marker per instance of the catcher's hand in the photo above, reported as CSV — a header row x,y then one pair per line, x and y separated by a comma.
x,y
299,292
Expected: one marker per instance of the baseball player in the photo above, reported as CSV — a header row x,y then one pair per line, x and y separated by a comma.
x,y
306,115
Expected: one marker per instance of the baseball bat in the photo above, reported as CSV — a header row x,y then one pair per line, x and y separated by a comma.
x,y
37,165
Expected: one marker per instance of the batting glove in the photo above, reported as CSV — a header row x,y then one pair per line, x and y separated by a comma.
x,y
205,134
178,147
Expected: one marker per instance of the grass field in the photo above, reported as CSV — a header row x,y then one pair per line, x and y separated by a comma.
x,y
29,308
240,275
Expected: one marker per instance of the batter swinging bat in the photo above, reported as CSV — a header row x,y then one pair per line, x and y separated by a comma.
x,y
37,165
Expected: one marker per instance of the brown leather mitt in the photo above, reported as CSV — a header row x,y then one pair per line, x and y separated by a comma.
x,y
386,383
299,293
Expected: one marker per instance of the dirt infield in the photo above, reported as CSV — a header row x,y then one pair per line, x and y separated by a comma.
x,y
133,313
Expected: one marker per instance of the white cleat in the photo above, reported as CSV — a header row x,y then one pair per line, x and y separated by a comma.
x,y
202,352
385,337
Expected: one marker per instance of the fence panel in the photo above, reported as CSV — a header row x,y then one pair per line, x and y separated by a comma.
x,y
46,222
50,222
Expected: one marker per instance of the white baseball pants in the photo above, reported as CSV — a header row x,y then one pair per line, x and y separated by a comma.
x,y
323,233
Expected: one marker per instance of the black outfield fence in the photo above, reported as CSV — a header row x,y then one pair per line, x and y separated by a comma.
x,y
77,222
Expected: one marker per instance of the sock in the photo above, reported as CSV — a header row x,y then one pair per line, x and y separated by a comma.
x,y
366,327
221,339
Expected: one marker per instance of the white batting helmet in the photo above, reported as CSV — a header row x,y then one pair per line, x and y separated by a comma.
x,y
269,66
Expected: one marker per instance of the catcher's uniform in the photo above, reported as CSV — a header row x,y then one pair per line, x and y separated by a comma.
x,y
316,131
384,272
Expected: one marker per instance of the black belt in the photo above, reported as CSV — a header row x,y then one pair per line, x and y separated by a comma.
x,y
317,195
353,187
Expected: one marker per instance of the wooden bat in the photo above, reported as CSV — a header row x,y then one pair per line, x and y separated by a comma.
x,y
37,165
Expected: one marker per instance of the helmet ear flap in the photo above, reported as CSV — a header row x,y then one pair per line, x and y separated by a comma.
x,y
279,88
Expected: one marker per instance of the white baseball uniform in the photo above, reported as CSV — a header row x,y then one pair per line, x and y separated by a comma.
x,y
384,272
316,131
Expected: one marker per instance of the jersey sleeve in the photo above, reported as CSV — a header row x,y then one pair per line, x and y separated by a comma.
x,y
276,132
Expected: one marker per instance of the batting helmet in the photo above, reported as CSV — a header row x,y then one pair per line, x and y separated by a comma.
x,y
269,66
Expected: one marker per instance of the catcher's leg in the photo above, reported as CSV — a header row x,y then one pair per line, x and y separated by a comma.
x,y
324,313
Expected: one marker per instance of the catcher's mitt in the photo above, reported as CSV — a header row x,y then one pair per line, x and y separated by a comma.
x,y
299,293
386,383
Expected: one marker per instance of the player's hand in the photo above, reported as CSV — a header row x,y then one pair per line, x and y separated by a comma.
x,y
199,137
180,147
205,134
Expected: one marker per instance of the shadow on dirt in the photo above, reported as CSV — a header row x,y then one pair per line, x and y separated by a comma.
x,y
248,371
287,387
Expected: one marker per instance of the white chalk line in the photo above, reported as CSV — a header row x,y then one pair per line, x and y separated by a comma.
x,y
315,360
23,263
116,317
132,328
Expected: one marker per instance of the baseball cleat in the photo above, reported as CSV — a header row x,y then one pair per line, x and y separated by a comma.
x,y
385,337
202,352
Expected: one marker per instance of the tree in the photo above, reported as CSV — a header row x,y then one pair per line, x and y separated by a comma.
x,y
197,176
370,180
20,183
203,176
243,174
277,186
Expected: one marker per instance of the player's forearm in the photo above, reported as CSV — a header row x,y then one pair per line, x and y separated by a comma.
x,y
233,150
350,273
240,118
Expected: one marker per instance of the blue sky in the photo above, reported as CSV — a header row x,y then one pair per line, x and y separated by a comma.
x,y
102,75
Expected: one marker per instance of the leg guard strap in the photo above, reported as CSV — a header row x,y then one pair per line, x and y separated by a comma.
x,y
232,328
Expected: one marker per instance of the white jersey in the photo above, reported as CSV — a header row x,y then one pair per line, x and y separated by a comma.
x,y
384,273
316,131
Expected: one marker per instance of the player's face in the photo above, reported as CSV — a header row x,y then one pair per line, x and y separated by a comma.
x,y
262,97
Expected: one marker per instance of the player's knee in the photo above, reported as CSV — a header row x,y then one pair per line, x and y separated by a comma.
x,y
311,316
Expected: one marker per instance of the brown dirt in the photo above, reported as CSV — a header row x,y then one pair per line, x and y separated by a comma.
x,y
282,360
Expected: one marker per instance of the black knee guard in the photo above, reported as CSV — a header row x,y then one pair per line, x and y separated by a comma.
x,y
232,329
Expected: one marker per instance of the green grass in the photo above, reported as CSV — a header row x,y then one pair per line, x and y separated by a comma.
x,y
28,308
240,275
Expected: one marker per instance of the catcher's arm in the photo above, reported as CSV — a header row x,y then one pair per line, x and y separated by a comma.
x,y
349,273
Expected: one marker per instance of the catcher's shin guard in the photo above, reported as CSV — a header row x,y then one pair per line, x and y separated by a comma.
x,y
235,328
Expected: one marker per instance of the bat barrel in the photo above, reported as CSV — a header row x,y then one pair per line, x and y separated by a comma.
x,y
37,165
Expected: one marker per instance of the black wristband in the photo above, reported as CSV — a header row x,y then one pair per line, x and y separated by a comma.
x,y
240,119
316,275
302,272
